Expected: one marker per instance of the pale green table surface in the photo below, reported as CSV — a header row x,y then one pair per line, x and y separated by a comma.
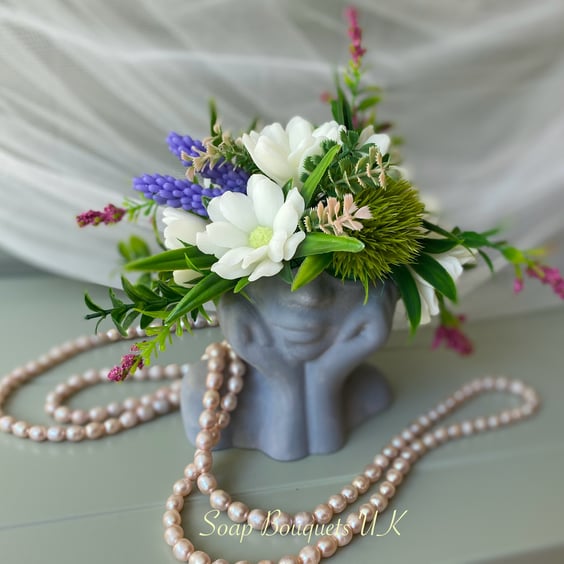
x,y
497,497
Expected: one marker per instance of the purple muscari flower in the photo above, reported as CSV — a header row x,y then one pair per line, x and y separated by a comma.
x,y
180,193
223,174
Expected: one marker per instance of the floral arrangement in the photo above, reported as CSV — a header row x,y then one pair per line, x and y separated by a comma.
x,y
294,201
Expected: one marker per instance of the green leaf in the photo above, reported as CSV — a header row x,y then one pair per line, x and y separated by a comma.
x,y
436,246
487,260
409,294
241,284
213,116
310,269
313,180
368,103
91,305
434,272
139,293
321,243
208,288
513,255
436,229
174,259
286,273
116,302
341,109
474,240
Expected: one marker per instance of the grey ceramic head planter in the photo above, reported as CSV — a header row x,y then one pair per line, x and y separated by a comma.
x,y
305,386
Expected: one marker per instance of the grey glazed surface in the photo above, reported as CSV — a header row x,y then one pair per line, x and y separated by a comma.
x,y
306,384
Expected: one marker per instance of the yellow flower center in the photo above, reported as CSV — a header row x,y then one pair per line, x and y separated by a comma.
x,y
260,236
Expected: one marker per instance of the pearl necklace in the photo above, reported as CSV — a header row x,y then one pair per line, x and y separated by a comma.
x,y
392,464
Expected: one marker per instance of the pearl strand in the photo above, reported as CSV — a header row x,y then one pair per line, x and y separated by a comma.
x,y
76,425
392,464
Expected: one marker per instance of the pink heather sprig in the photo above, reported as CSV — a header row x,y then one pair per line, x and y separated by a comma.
x,y
355,35
110,215
548,275
129,363
449,333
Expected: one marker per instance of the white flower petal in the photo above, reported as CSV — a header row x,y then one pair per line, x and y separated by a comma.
x,y
329,130
181,226
381,140
214,210
228,271
286,220
236,256
224,234
185,277
265,268
255,256
292,244
237,209
267,198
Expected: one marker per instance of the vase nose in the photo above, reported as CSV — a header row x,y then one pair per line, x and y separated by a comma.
x,y
315,295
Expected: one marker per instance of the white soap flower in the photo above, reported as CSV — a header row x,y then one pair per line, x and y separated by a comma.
x,y
182,227
252,234
280,152
452,261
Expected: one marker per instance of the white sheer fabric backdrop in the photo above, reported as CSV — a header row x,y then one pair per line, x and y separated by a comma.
x,y
89,90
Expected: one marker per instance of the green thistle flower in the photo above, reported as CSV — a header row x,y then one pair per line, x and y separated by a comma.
x,y
391,237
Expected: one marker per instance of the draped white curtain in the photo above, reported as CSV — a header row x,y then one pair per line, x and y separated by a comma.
x,y
89,90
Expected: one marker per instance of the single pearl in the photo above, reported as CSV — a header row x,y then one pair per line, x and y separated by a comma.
x,y
280,520
289,559
98,414
381,461
408,454
220,561
79,417
355,522
323,513
56,434
173,534
207,419
372,472
480,424
204,440
175,502
203,461
182,487
387,489
223,419
238,512
390,451
161,406
493,421
327,546
128,419
237,368
454,431
94,430
394,477
440,435
37,433
130,404
114,409
467,427
350,493
146,399
112,426
337,502
170,518
145,412
182,550
379,502
76,382
407,435
75,433
6,423
303,519
191,472
172,371
229,401
206,483
214,380
256,518
91,376
20,429
433,415
429,440
517,387
401,465
62,414
416,429
220,499
210,399
343,535
310,554
199,557
367,512
397,442
113,335
155,372
235,384
418,447
216,364
361,483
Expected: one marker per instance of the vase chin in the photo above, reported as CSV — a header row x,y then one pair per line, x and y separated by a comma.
x,y
307,383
